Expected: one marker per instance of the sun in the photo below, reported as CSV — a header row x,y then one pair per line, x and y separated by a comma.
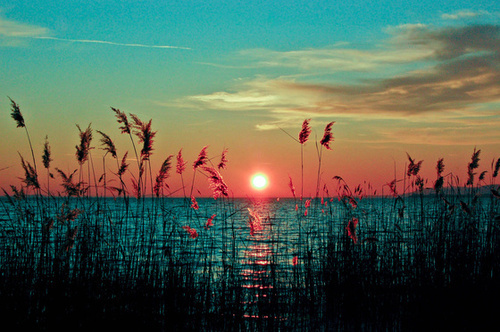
x,y
259,181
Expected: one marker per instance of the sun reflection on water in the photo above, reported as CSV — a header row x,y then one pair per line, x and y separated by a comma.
x,y
258,263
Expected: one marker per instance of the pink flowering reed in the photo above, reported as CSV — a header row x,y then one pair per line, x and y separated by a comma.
x,y
305,131
327,136
162,175
351,229
217,184
181,164
223,160
202,158
209,221
191,231
82,150
194,203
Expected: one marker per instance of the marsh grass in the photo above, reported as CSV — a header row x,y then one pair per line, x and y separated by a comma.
x,y
342,260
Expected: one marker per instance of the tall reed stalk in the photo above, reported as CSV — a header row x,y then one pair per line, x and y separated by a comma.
x,y
303,137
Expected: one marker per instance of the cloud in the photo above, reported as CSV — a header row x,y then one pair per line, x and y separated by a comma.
x,y
441,71
93,41
14,29
461,69
338,59
463,134
461,14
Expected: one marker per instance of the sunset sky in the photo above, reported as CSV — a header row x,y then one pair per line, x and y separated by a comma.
x,y
417,77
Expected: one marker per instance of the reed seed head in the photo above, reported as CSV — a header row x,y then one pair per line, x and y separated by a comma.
x,y
82,150
181,164
327,136
305,132
122,118
202,158
16,114
46,159
109,145
223,160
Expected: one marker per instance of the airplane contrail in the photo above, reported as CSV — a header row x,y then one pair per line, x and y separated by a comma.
x,y
110,43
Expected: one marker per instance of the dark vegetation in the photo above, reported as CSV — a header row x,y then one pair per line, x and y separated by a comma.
x,y
420,259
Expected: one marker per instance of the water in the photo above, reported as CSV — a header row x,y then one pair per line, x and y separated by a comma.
x,y
285,230
267,255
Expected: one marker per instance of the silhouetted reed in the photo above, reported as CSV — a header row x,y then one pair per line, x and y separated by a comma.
x,y
345,259
303,137
325,141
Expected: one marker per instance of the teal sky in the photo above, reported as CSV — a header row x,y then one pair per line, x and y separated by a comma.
x,y
417,76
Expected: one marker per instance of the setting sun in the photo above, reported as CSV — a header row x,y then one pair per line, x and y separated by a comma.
x,y
259,181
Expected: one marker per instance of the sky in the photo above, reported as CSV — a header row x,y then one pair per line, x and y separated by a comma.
x,y
416,77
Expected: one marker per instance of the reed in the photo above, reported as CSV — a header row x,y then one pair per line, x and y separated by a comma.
x,y
303,137
324,142
405,260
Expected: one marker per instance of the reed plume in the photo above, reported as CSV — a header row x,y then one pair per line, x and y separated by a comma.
x,y
162,175
210,221
497,168
30,175
126,129
217,184
16,114
413,168
82,150
194,203
18,117
122,168
392,188
303,137
137,188
123,165
307,204
46,156
122,118
200,161
18,194
482,175
71,188
191,231
223,160
109,145
145,134
327,136
419,182
474,163
180,168
305,132
202,158
292,187
325,142
351,229
46,159
438,184
66,214
181,164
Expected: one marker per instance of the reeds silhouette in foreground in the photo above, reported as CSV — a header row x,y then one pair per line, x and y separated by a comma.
x,y
415,258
